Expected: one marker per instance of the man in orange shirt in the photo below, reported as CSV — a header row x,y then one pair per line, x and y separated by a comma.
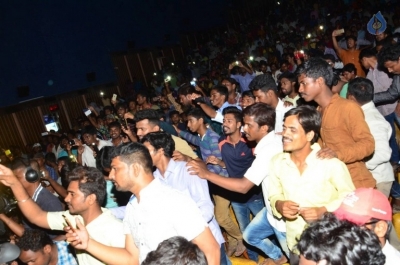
x,y
344,132
351,54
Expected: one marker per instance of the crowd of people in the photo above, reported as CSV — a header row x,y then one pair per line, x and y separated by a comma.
x,y
289,121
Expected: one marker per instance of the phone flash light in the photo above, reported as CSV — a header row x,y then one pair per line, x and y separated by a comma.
x,y
168,77
172,63
101,93
251,58
194,62
301,51
155,74
308,35
194,79
321,27
278,3
237,62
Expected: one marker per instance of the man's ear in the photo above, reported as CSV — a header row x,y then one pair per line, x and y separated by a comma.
x,y
156,128
310,135
47,249
381,228
92,198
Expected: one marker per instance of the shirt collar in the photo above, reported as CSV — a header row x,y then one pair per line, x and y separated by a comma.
x,y
368,105
309,159
266,140
170,169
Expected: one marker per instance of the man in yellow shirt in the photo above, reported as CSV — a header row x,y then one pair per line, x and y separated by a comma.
x,y
302,187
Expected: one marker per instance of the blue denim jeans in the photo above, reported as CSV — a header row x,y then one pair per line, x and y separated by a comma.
x,y
242,212
257,232
224,258
395,191
395,157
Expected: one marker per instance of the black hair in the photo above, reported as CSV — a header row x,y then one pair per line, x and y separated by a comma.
x,y
362,89
91,181
233,82
197,113
51,157
186,90
34,240
329,57
283,62
391,53
367,53
221,90
108,108
130,153
103,158
351,37
315,68
309,118
143,93
262,62
122,105
288,75
349,68
262,113
340,242
263,83
160,140
237,113
114,124
148,114
247,93
25,164
178,251
173,112
90,129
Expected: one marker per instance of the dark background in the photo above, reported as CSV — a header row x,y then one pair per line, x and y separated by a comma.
x,y
50,46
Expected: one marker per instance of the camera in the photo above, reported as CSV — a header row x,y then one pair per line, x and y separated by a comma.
x,y
7,200
199,100
72,142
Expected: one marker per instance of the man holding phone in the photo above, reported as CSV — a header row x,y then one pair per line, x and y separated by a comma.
x,y
86,192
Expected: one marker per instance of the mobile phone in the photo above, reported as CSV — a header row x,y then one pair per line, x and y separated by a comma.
x,y
45,133
167,79
68,223
87,112
114,97
237,62
340,31
72,142
193,83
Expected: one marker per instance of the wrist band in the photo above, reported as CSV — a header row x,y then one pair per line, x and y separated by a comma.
x,y
24,200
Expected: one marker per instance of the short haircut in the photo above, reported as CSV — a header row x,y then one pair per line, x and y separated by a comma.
x,y
90,129
91,181
186,89
351,37
340,242
114,124
282,62
221,90
391,53
160,140
362,89
24,163
309,118
247,93
108,108
131,153
349,68
231,80
262,113
329,57
121,105
237,113
315,68
262,62
34,240
263,83
197,113
143,93
173,112
148,114
367,53
51,157
178,251
103,158
289,76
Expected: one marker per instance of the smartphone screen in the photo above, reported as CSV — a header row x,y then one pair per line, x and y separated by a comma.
x,y
114,97
87,112
193,83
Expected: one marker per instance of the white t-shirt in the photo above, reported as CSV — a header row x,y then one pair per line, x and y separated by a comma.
x,y
87,155
391,254
105,229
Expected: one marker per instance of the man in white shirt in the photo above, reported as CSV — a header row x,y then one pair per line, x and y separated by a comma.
x,y
156,212
288,85
265,91
361,91
86,156
259,121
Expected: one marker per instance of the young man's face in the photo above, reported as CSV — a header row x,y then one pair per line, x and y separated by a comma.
x,y
351,43
228,85
121,112
115,132
294,137
194,124
89,138
156,155
185,100
251,128
348,76
120,174
216,98
76,201
393,66
40,257
309,89
175,118
261,96
140,100
247,101
287,86
230,125
144,127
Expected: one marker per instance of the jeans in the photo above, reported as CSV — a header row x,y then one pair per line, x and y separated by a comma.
x,y
395,191
392,141
224,258
242,213
257,232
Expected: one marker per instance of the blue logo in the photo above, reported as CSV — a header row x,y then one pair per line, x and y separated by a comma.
x,y
377,24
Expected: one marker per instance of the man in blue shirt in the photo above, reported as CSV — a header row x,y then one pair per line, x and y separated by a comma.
x,y
207,140
237,157
245,76
174,174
